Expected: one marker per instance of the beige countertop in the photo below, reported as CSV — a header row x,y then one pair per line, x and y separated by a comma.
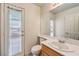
x,y
74,48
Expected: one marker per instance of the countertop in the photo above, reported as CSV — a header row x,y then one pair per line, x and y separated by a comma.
x,y
75,48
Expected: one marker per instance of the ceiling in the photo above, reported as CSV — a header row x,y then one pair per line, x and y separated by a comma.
x,y
40,4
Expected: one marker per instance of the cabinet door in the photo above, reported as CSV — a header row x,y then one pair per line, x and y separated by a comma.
x,y
46,51
43,54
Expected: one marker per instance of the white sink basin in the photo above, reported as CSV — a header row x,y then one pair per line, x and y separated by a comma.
x,y
61,46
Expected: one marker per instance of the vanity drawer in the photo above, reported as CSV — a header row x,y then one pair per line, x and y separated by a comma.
x,y
49,51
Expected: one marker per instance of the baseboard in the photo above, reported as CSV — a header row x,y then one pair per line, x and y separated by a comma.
x,y
27,53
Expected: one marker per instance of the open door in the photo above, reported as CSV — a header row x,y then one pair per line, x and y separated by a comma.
x,y
14,30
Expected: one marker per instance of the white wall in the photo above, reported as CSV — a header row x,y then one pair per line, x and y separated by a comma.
x,y
67,21
46,15
32,25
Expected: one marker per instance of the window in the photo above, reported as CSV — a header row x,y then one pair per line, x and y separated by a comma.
x,y
51,28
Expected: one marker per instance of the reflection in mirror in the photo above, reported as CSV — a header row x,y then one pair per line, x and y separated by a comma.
x,y
67,23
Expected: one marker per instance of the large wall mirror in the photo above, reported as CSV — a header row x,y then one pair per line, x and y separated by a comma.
x,y
67,23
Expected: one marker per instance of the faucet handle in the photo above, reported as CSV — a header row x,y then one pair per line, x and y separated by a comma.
x,y
66,33
61,40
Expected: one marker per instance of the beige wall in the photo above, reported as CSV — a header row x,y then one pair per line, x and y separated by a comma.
x,y
32,25
46,15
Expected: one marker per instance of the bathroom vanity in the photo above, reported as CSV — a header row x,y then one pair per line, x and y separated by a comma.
x,y
52,47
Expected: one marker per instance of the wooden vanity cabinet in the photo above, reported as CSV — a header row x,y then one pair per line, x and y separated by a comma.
x,y
46,51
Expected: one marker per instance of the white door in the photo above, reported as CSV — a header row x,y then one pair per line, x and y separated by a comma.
x,y
14,30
